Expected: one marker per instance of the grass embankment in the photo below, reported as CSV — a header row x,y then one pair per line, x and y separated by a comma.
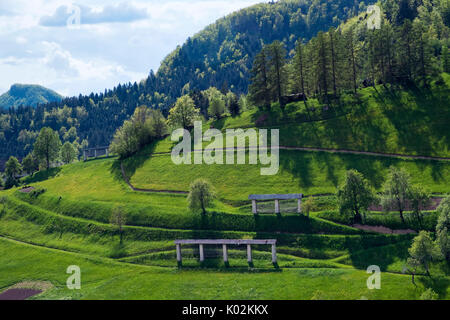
x,y
42,227
146,216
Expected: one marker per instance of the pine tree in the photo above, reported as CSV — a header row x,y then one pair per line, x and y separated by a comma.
x,y
405,49
351,47
30,164
277,76
332,35
299,66
445,59
322,64
422,51
387,34
259,92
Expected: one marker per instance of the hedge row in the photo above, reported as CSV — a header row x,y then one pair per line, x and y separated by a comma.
x,y
148,217
55,223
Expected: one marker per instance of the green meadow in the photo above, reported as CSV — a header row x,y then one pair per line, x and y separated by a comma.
x,y
66,220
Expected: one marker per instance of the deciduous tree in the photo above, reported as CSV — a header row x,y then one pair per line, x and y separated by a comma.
x,y
423,251
13,168
396,191
443,227
355,195
30,164
184,113
47,146
201,195
119,219
68,153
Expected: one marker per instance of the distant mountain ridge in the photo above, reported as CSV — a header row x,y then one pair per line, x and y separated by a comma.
x,y
28,95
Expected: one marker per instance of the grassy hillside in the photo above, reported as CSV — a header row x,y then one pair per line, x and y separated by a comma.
x,y
27,95
300,172
69,215
66,218
385,120
69,224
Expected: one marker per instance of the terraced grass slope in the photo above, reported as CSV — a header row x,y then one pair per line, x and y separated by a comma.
x,y
386,120
106,279
67,220
300,172
72,217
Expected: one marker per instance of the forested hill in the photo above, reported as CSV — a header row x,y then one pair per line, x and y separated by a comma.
x,y
27,95
221,55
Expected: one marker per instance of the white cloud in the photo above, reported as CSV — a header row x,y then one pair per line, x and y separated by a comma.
x,y
117,42
119,13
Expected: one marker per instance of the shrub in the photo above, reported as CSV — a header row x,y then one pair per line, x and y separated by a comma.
x,y
11,182
429,294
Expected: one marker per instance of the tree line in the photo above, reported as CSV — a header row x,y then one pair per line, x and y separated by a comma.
x,y
355,195
342,60
219,56
48,151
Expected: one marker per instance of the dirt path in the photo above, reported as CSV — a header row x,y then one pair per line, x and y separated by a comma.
x,y
367,153
18,294
25,290
382,230
342,151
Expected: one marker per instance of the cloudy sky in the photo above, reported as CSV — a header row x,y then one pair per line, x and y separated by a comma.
x,y
89,45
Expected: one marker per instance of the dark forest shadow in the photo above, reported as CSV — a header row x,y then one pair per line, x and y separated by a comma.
x,y
42,175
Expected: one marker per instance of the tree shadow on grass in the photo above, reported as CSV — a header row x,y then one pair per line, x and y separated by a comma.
x,y
132,163
299,165
42,175
412,118
382,256
438,284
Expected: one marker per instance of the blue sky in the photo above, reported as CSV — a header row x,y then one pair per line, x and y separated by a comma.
x,y
42,43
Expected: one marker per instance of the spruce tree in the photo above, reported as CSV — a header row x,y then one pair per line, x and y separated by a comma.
x,y
332,35
445,59
259,92
277,75
351,47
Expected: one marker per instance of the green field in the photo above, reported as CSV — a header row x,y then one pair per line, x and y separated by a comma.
x,y
106,279
318,259
67,220
300,172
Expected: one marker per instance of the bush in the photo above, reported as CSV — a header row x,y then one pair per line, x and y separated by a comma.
x,y
37,192
11,183
2,206
429,294
118,251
